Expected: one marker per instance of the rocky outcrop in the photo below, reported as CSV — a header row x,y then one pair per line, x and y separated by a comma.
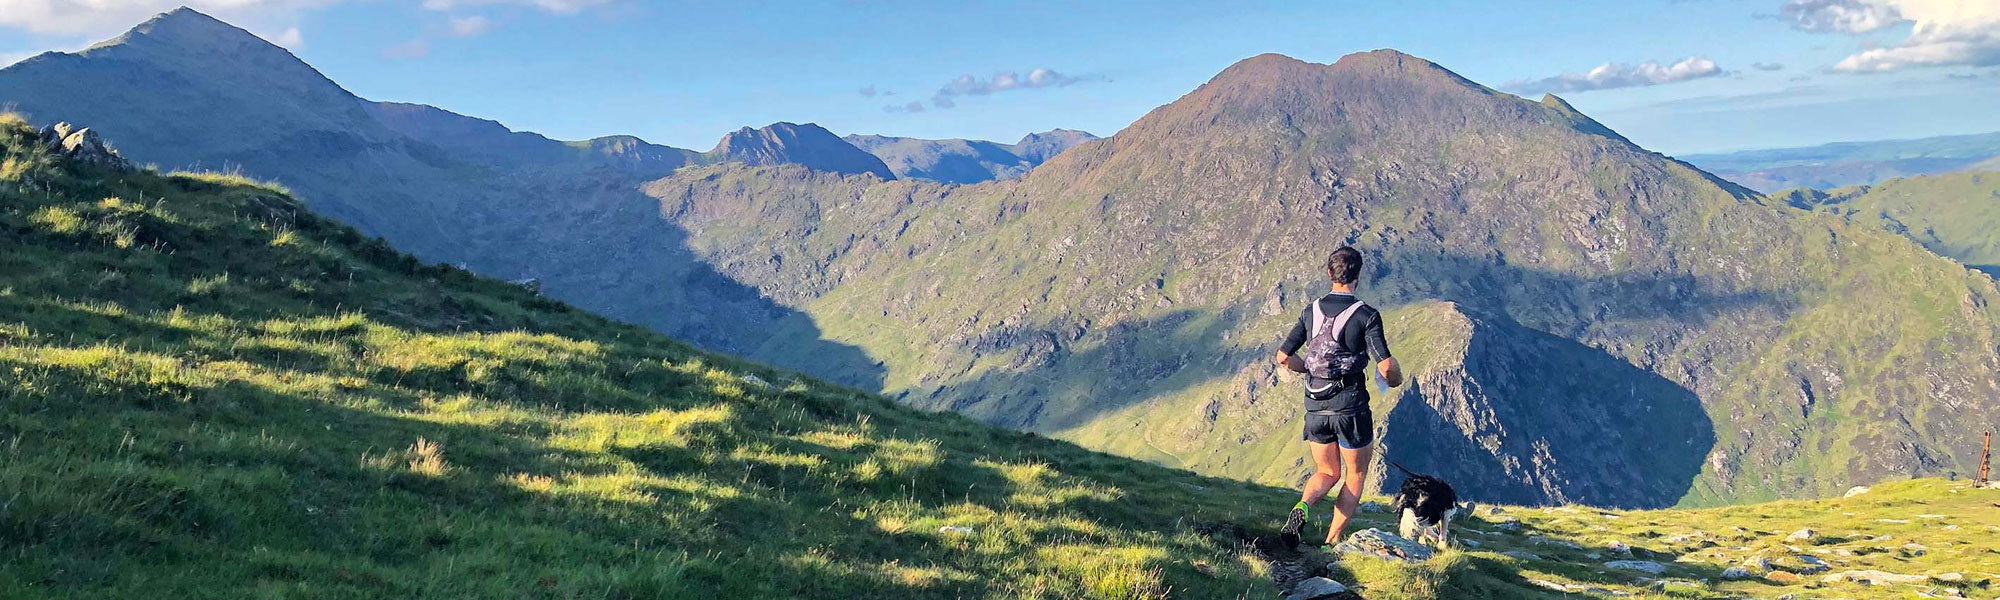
x,y
84,146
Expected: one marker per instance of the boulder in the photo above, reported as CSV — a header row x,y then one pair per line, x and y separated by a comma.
x,y
1736,573
1643,566
1317,588
1383,545
1802,535
82,145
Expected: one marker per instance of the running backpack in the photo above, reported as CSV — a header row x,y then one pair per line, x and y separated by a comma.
x,y
1326,358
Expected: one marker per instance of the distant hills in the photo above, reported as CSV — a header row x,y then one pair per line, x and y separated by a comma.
x,y
1846,164
968,161
1956,215
1586,321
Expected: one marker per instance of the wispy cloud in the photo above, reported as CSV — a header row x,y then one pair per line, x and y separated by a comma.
x,y
1846,16
411,49
968,85
561,7
1943,33
1619,75
912,107
470,26
868,92
1762,66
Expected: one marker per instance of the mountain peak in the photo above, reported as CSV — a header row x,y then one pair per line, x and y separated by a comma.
x,y
805,144
190,29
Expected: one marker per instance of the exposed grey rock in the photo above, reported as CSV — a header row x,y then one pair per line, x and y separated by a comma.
x,y
1642,566
1384,545
1317,588
1855,491
1736,573
1522,555
82,145
1802,535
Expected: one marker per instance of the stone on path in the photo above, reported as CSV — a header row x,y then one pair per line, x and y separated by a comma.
x,y
1387,546
1317,588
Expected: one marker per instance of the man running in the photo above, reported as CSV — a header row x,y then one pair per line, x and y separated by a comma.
x,y
1340,430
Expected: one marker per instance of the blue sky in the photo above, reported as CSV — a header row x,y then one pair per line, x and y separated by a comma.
x,y
1696,75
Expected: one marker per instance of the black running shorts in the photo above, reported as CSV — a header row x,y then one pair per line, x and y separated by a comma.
x,y
1352,431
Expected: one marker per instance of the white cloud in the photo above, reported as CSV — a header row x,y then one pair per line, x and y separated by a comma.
x,y
1942,32
470,26
1849,16
8,59
1619,75
290,38
967,85
1768,66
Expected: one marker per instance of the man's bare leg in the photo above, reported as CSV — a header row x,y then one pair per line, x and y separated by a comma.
x,y
1354,472
1326,472
1325,475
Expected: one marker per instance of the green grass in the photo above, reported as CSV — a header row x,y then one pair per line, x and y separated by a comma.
x,y
207,392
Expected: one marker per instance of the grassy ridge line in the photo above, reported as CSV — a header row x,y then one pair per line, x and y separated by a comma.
x,y
209,393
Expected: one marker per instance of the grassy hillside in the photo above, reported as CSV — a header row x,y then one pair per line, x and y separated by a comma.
x,y
1955,214
207,392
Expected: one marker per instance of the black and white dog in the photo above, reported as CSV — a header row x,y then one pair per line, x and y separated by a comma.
x,y
1426,505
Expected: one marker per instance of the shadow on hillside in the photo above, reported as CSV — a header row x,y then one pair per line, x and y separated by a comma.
x,y
1564,304
1541,419
1048,385
602,245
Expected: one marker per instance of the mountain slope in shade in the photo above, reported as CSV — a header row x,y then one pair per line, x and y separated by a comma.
x,y
808,145
1127,293
967,161
185,90
1846,164
1956,215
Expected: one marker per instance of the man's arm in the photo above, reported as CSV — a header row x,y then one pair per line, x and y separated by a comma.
x,y
1392,372
1292,342
1378,345
1286,360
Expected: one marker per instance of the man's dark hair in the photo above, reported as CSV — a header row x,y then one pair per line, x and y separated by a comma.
x,y
1344,265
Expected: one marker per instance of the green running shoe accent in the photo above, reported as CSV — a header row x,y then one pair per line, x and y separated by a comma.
x,y
1296,521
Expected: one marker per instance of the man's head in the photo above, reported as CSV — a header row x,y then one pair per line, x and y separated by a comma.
x,y
1344,266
